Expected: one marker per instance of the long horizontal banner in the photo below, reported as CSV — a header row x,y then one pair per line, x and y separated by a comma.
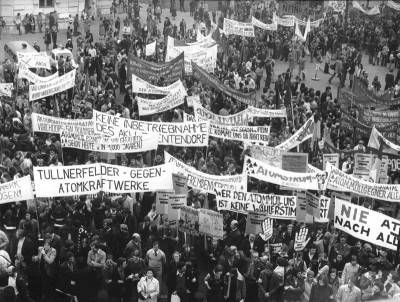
x,y
258,23
264,172
16,190
172,100
207,182
275,206
34,60
360,89
380,119
176,134
347,182
269,155
141,86
251,134
347,98
25,73
148,71
374,141
93,178
269,113
203,114
204,77
232,27
57,85
84,138
366,224
304,133
49,124
288,22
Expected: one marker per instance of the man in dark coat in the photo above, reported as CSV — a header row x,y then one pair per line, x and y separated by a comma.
x,y
235,236
269,283
389,80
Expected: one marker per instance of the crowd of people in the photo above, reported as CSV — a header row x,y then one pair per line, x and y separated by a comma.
x,y
117,247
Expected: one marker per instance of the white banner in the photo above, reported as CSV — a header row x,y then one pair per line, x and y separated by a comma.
x,y
275,206
333,159
303,134
176,134
162,199
373,11
211,224
151,48
84,138
269,113
203,114
25,73
302,181
207,182
16,190
172,100
269,155
93,178
175,202
6,89
57,85
252,134
346,182
49,124
288,22
232,27
367,225
393,5
141,86
374,140
34,60
258,23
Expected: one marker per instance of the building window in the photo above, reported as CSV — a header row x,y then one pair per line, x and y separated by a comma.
x,y
46,3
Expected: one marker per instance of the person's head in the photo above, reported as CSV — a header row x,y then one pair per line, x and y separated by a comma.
x,y
46,244
393,277
339,257
252,237
310,276
269,268
70,257
155,246
378,287
323,280
176,256
121,262
218,270
95,246
333,273
233,272
353,260
149,273
234,224
313,249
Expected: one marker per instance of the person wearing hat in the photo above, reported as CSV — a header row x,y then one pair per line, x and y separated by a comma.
x,y
360,146
69,45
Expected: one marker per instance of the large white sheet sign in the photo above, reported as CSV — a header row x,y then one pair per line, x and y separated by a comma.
x,y
141,86
265,172
175,98
367,225
349,183
93,178
232,27
34,60
25,73
207,182
50,124
57,85
177,134
203,114
16,190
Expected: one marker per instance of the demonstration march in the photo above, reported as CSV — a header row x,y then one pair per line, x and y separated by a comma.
x,y
199,151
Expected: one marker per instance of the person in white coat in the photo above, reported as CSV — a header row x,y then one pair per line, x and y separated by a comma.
x,y
149,287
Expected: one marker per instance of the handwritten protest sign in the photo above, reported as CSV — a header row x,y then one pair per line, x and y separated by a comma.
x,y
34,60
254,221
276,206
190,100
162,199
211,223
232,27
25,73
295,162
6,89
177,134
303,134
189,220
16,190
367,225
324,203
49,124
206,182
93,178
333,159
57,85
151,48
258,23
269,155
179,183
362,165
176,201
312,207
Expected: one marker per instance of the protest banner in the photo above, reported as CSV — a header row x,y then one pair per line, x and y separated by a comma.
x,y
175,202
205,78
206,182
253,134
189,220
190,100
349,183
302,9
258,23
266,113
301,207
206,58
334,195
254,221
211,224
141,86
179,183
379,119
312,205
188,118
365,224
25,73
303,181
175,98
276,206
6,89
16,190
333,159
348,98
162,199
362,165
176,134
288,22
295,162
93,178
232,27
151,49
148,71
203,114
57,85
34,60
374,141
363,92
50,124
269,155
84,138
303,134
